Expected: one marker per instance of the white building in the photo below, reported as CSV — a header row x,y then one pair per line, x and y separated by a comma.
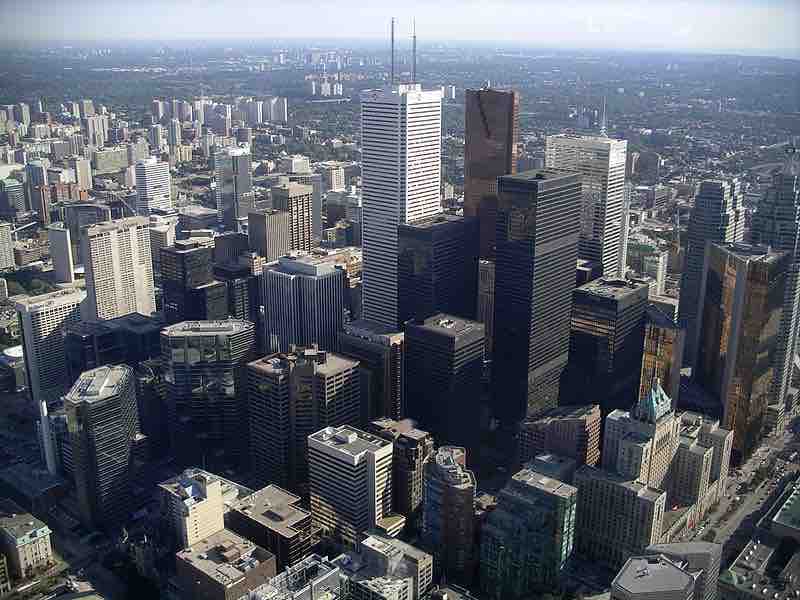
x,y
119,268
6,246
193,506
601,161
401,173
153,186
61,253
350,481
83,171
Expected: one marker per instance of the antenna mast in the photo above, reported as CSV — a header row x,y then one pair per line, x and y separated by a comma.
x,y
603,131
392,77
414,51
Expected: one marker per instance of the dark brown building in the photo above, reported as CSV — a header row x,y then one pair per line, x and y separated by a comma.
x,y
492,133
570,431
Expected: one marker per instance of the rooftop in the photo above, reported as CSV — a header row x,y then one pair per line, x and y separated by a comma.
x,y
43,301
789,513
224,557
99,384
185,486
612,288
451,466
349,440
20,525
452,326
195,210
275,508
116,225
205,328
585,411
536,480
751,252
326,363
641,490
652,575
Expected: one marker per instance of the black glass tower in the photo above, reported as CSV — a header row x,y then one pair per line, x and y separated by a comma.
x,y
190,290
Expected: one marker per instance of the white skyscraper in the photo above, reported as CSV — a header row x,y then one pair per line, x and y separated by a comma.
x,y
119,268
601,161
83,171
152,186
6,246
61,253
401,172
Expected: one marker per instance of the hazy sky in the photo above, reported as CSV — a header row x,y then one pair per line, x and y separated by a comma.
x,y
751,26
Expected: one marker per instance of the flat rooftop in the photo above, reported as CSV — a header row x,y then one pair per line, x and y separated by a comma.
x,y
18,524
185,486
585,411
450,465
641,490
789,514
452,326
99,384
541,482
752,252
117,224
195,210
349,440
275,508
433,221
612,288
204,328
652,575
224,557
51,298
326,363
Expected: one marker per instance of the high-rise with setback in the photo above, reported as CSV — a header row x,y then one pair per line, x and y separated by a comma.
x,y
537,239
601,162
401,176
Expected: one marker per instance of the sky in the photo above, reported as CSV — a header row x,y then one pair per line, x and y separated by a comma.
x,y
769,27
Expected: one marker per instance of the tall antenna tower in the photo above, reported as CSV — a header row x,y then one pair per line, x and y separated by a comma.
x,y
603,131
414,51
392,36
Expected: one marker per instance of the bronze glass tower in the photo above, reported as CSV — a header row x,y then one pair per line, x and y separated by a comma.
x,y
490,151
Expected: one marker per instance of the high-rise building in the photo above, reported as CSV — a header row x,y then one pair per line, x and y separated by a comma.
x,y
193,506
233,175
569,431
12,199
162,235
663,353
157,138
707,433
491,134
606,342
601,163
6,246
296,199
717,217
444,360
381,353
96,130
174,133
437,267
448,523
153,186
103,424
739,346
205,381
86,108
268,233
83,171
536,249
190,291
701,559
412,449
401,175
485,309
350,482
527,539
303,302
119,268
291,396
654,576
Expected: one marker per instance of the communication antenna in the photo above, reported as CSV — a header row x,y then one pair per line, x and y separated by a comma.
x,y
392,37
413,51
603,131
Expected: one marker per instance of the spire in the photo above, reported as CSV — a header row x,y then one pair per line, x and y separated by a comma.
x,y
413,51
603,132
392,42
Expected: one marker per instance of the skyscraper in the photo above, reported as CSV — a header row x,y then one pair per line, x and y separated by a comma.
x,y
233,175
174,133
485,308
738,341
444,360
663,352
190,291
401,175
303,302
537,239
568,431
103,423
83,171
437,267
490,151
268,233
6,247
205,382
350,477
290,397
153,186
601,162
297,200
717,218
119,268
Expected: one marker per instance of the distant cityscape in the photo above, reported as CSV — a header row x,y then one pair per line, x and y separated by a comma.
x,y
422,321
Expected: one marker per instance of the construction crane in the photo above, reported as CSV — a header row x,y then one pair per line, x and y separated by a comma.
x,y
14,232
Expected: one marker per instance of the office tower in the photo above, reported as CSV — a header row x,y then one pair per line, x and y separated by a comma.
x,y
272,518
22,113
233,176
333,179
190,291
569,431
401,175
174,133
157,138
615,518
6,246
663,353
96,130
162,235
61,253
222,566
153,186
12,199
601,163
36,172
350,482
242,290
527,539
701,559
485,308
268,233
193,506
205,382
536,247
296,199
83,171
290,397
103,423
304,302
606,342
255,112
739,349
276,109
448,523
119,268
158,109
689,476
491,134
86,108
381,352
717,217
444,361
40,202
412,449
654,576
707,433
437,267
641,443
24,541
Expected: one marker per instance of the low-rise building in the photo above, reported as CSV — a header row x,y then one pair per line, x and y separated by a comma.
x,y
24,540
